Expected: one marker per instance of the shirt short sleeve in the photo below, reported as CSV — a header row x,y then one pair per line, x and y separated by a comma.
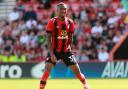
x,y
50,26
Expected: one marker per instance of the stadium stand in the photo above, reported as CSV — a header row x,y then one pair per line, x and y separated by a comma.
x,y
99,25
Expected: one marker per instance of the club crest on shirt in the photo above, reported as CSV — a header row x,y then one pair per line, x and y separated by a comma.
x,y
63,35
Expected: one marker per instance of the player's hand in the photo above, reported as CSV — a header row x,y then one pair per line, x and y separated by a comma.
x,y
53,58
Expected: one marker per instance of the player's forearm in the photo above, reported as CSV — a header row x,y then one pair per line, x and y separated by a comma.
x,y
70,39
49,44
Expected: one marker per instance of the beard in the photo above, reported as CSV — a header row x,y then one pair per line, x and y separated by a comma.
x,y
62,17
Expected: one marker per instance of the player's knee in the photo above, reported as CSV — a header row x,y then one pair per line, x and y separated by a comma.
x,y
75,69
48,67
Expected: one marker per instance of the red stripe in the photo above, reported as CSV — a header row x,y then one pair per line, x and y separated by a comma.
x,y
66,46
55,34
45,75
81,77
59,45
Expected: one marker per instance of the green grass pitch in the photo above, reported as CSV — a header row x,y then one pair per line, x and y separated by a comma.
x,y
64,84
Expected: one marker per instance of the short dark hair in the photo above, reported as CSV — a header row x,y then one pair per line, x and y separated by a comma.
x,y
61,5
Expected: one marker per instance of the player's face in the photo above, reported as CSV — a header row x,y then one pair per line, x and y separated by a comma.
x,y
62,11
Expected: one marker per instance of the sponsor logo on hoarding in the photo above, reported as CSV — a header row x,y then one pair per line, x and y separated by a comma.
x,y
115,70
37,70
13,71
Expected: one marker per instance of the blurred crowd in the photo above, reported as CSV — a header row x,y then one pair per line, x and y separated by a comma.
x,y
99,25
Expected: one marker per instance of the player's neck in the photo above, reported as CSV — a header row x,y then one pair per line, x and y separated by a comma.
x,y
61,18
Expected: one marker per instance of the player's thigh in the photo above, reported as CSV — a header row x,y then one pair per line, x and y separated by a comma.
x,y
48,60
69,59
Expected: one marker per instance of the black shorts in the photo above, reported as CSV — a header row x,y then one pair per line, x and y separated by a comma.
x,y
67,57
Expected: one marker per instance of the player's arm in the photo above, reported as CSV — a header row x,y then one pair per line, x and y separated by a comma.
x,y
49,44
71,34
70,38
50,50
70,41
49,29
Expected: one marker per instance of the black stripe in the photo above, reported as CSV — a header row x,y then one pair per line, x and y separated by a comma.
x,y
49,31
83,82
42,82
55,35
63,45
63,28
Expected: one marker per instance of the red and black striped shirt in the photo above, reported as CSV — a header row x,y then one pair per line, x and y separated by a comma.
x,y
60,33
